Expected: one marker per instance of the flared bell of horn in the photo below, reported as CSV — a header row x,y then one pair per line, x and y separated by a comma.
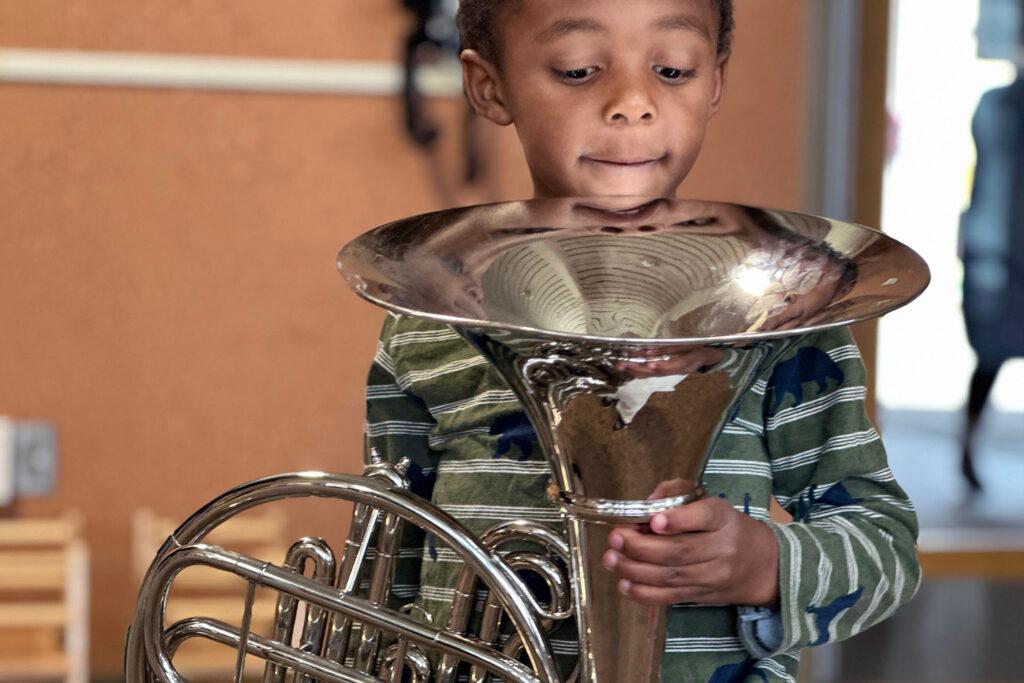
x,y
629,328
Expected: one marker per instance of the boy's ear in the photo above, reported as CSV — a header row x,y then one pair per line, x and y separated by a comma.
x,y
720,70
482,85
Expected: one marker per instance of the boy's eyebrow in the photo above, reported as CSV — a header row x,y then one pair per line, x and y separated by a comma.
x,y
561,27
682,22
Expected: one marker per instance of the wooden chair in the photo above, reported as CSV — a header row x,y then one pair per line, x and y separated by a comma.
x,y
206,592
44,600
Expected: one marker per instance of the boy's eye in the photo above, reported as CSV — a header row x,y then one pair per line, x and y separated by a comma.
x,y
576,76
674,75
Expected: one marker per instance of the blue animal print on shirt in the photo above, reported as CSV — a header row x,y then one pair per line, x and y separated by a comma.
x,y
823,616
808,365
513,429
835,495
737,673
432,546
421,482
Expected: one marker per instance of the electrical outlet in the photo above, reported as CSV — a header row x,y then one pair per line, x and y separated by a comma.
x,y
7,490
35,458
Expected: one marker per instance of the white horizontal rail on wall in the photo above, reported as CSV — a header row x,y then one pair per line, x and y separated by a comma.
x,y
146,70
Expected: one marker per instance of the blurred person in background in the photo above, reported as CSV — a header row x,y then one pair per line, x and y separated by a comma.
x,y
992,249
467,176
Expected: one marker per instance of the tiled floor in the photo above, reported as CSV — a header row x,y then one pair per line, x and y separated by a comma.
x,y
955,630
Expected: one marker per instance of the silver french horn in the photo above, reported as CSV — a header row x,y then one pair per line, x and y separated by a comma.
x,y
628,328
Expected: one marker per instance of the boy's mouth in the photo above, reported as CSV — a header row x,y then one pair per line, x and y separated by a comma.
x,y
626,162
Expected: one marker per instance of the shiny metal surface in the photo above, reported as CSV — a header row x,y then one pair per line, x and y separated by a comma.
x,y
151,645
621,270
628,328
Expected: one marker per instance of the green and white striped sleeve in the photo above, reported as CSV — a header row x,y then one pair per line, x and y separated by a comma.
x,y
398,425
848,560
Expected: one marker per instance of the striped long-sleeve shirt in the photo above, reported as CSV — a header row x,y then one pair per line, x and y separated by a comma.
x,y
847,560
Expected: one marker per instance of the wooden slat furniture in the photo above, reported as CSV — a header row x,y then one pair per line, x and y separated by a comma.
x,y
44,600
991,553
204,592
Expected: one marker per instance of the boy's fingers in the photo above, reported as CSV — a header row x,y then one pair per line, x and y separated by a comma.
x,y
699,574
707,514
660,550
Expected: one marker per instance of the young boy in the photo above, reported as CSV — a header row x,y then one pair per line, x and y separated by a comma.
x,y
613,98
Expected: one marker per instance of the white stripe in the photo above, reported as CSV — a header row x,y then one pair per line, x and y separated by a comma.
x,y
883,475
447,595
440,441
818,405
502,512
423,336
899,503
737,430
436,593
824,565
401,590
725,644
852,569
882,587
711,640
406,380
382,359
492,466
486,398
754,511
403,553
398,427
792,606
444,554
848,510
844,352
564,647
383,391
872,476
835,443
899,579
744,467
751,427
775,668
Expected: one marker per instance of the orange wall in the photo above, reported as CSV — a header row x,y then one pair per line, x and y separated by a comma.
x,y
167,288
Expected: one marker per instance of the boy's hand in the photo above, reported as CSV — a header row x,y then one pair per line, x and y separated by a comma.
x,y
705,552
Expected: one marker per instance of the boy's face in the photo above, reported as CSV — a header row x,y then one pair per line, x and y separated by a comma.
x,y
608,97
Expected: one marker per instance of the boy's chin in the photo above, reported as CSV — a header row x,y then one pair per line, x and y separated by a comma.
x,y
615,189
631,184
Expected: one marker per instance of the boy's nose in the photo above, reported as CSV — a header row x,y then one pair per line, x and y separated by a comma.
x,y
629,105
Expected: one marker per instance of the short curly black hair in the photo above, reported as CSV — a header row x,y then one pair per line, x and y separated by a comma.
x,y
477,23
